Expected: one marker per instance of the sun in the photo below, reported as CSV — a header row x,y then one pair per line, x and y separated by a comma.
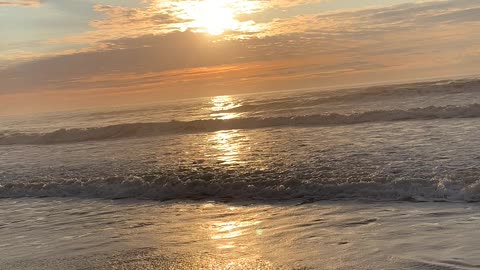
x,y
214,16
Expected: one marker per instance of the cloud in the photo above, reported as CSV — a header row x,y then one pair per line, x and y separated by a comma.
x,y
399,42
161,17
25,3
290,3
381,20
158,17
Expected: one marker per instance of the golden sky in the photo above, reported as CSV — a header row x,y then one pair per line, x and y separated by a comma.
x,y
94,52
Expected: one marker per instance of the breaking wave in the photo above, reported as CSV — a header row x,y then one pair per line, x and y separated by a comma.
x,y
206,186
179,127
426,90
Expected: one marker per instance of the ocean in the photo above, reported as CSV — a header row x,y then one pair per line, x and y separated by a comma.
x,y
381,177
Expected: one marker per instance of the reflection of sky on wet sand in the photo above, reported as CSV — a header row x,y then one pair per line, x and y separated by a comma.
x,y
227,236
206,235
226,230
236,234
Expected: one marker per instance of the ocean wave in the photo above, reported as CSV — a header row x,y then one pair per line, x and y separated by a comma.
x,y
206,186
178,127
424,90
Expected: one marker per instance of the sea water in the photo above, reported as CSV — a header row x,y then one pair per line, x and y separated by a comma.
x,y
380,177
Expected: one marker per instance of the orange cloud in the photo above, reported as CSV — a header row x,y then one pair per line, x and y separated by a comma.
x,y
25,3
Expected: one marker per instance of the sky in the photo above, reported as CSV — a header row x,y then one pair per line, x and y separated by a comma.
x,y
57,54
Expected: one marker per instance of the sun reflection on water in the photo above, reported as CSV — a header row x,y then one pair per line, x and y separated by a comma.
x,y
227,232
221,105
228,143
228,236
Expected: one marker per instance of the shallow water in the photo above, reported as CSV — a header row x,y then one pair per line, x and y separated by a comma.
x,y
100,234
419,160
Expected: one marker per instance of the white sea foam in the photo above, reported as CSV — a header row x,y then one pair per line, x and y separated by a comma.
x,y
260,187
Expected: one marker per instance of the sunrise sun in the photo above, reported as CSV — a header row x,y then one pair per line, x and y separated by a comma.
x,y
216,16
